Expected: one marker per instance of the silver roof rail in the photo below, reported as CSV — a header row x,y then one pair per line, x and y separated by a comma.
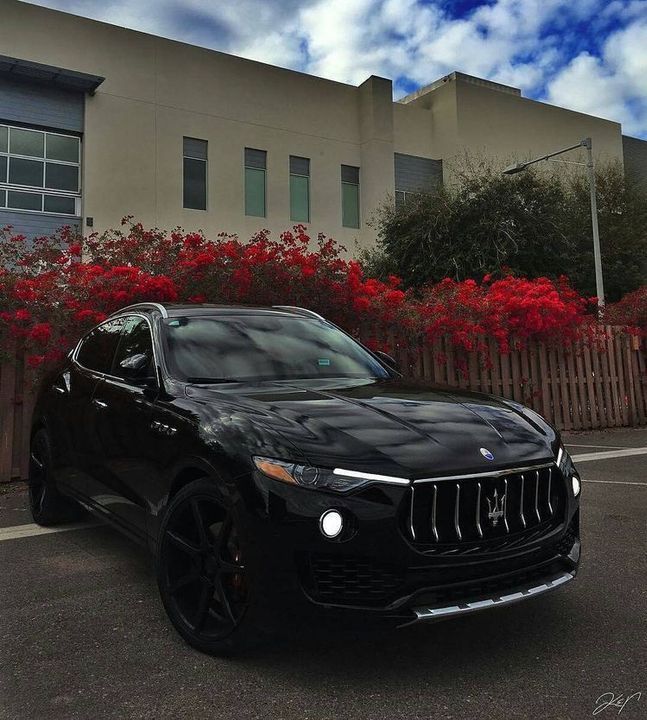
x,y
154,305
300,311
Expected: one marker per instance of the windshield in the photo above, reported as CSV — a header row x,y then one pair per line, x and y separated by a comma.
x,y
263,347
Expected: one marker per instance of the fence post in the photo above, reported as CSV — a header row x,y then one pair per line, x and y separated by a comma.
x,y
7,412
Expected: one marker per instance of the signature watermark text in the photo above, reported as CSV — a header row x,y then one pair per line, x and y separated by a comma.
x,y
619,702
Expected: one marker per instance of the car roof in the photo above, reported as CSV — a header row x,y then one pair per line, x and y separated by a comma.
x,y
211,309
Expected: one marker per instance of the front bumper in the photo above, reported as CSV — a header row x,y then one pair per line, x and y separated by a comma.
x,y
375,568
426,613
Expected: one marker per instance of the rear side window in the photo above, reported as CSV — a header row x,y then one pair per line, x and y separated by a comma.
x,y
99,346
136,340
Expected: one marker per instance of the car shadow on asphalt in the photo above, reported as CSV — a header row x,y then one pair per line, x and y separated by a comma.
x,y
307,646
353,648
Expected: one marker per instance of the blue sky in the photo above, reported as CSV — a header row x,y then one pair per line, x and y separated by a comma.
x,y
587,55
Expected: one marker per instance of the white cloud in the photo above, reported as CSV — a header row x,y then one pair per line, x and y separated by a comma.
x,y
614,85
350,39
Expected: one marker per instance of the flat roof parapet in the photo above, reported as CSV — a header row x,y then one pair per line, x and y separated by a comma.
x,y
463,77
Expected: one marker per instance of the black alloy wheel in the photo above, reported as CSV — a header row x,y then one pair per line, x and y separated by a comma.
x,y
47,505
203,576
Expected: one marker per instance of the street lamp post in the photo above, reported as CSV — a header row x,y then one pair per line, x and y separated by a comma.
x,y
597,257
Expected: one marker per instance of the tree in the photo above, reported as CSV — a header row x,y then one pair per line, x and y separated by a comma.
x,y
535,223
622,217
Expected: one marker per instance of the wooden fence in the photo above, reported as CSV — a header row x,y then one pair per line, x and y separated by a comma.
x,y
580,388
16,404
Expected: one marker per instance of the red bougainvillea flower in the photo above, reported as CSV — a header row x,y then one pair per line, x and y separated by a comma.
x,y
50,294
41,333
630,311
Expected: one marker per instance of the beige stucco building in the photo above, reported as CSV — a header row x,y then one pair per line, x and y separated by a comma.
x,y
102,122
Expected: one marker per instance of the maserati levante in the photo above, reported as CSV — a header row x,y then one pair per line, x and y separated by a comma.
x,y
271,462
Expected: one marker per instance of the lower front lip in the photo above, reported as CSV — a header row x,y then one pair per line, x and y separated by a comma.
x,y
509,598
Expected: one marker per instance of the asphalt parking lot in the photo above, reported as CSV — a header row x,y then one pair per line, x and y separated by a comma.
x,y
82,634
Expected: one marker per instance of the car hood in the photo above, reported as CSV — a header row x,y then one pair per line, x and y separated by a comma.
x,y
391,427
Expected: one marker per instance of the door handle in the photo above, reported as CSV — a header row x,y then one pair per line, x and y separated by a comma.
x,y
99,403
162,428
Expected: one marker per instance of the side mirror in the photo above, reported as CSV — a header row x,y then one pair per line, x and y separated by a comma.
x,y
387,359
134,364
137,368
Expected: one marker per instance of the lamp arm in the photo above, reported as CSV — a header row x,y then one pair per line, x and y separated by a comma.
x,y
582,143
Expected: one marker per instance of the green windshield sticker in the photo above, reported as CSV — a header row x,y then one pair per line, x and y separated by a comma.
x,y
323,362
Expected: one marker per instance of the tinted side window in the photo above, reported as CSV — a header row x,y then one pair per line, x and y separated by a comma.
x,y
98,348
136,340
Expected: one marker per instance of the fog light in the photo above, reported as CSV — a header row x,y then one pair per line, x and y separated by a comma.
x,y
576,485
331,523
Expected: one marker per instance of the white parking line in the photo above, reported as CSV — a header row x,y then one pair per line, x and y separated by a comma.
x,y
586,457
606,447
614,482
31,529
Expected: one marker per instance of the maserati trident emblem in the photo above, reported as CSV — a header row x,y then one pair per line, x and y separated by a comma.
x,y
486,454
496,508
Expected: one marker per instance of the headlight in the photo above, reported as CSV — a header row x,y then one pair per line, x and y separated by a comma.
x,y
565,464
577,485
307,476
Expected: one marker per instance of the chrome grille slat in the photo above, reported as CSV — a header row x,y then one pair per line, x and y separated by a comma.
x,y
550,504
521,515
412,527
434,527
471,514
457,511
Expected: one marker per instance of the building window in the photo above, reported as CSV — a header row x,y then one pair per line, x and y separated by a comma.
x,y
39,171
402,196
349,196
415,175
194,172
255,168
299,189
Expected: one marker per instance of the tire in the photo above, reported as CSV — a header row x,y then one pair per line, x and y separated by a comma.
x,y
47,505
205,572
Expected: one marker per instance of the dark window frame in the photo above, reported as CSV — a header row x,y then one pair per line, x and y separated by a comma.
x,y
250,164
296,174
40,190
191,159
355,183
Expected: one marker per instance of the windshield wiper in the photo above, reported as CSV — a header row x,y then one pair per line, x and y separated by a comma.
x,y
210,380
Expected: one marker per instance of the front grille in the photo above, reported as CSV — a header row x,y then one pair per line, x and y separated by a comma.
x,y
487,513
352,580
360,582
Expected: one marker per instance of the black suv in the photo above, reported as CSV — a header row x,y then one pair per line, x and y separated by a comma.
x,y
270,461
